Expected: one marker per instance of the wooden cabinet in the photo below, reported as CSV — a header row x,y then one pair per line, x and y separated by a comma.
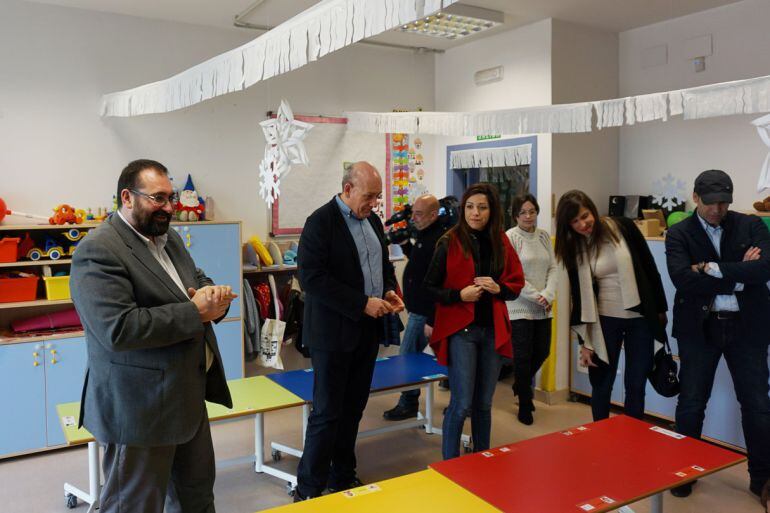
x,y
39,372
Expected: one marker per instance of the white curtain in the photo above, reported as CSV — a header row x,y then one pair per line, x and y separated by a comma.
x,y
491,157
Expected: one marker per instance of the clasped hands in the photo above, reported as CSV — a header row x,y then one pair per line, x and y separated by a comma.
x,y
212,301
376,307
472,293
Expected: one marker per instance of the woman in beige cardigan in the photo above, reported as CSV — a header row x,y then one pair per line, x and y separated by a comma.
x,y
617,299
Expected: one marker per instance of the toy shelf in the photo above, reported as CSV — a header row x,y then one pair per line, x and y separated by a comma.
x,y
7,338
23,227
35,303
25,263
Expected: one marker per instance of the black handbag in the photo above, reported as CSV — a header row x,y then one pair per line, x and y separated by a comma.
x,y
663,376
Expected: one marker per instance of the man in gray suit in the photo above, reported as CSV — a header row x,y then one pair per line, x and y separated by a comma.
x,y
153,358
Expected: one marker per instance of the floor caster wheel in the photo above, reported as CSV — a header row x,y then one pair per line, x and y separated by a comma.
x,y
276,455
72,501
467,448
290,490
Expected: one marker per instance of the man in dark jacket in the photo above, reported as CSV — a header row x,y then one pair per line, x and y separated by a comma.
x,y
349,285
719,261
419,302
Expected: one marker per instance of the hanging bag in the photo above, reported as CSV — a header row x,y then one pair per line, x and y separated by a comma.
x,y
663,376
271,336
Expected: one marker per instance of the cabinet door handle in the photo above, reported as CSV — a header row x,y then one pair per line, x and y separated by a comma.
x,y
188,239
35,363
53,351
35,354
54,361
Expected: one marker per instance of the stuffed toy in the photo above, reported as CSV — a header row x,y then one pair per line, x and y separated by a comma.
x,y
762,206
190,206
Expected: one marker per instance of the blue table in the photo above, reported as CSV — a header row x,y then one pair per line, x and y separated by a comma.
x,y
391,374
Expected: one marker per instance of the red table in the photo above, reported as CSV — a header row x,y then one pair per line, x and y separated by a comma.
x,y
597,467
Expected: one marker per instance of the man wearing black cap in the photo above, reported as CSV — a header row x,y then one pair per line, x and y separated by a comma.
x,y
719,262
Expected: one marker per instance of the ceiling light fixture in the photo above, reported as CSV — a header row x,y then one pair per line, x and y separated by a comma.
x,y
455,22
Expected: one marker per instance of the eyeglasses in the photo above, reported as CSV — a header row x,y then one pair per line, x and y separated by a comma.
x,y
524,213
158,200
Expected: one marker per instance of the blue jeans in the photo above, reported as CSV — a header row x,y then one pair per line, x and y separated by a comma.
x,y
746,358
474,366
414,342
635,337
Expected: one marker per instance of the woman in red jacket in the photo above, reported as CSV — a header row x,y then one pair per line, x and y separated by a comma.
x,y
473,272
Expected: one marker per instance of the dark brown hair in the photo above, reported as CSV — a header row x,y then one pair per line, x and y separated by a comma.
x,y
493,228
571,247
518,202
129,177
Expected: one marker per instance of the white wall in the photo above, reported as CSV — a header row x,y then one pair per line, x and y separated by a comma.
x,y
55,63
525,54
584,67
685,148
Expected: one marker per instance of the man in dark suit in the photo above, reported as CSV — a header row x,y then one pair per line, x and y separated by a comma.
x,y
719,261
152,354
349,285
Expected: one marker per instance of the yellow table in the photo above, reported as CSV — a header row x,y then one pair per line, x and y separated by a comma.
x,y
419,492
251,396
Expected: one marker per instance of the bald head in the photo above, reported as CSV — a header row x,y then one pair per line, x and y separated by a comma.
x,y
425,211
361,188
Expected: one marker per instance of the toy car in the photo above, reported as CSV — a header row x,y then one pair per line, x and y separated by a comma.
x,y
52,251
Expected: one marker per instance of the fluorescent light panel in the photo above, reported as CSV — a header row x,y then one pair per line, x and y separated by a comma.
x,y
455,22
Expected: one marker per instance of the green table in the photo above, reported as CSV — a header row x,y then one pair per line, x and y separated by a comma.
x,y
251,396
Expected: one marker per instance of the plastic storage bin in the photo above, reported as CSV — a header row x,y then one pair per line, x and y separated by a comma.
x,y
8,249
14,289
57,287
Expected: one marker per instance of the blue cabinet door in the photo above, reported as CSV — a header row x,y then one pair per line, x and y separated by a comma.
x,y
230,341
22,401
216,248
65,368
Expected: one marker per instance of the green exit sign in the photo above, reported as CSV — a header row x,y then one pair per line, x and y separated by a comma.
x,y
486,137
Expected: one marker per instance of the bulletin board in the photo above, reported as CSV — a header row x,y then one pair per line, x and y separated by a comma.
x,y
329,144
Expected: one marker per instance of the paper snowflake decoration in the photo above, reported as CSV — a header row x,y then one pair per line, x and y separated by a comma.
x,y
284,136
669,191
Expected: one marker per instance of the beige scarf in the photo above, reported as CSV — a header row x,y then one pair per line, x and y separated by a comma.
x,y
590,329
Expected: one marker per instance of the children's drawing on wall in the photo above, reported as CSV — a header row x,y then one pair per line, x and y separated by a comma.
x,y
406,171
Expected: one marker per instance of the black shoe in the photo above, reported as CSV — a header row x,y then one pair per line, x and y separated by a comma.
x,y
525,415
355,483
682,491
298,497
756,486
400,413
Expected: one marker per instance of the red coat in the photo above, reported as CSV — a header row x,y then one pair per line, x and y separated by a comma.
x,y
453,317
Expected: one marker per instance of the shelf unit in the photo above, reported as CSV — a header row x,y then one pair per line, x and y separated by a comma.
x,y
46,370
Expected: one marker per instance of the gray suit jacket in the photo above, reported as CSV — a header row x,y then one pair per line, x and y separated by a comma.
x,y
146,379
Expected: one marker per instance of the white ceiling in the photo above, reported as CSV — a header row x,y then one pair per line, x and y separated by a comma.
x,y
608,15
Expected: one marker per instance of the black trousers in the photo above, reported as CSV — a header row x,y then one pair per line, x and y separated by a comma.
x,y
746,358
531,345
179,477
341,383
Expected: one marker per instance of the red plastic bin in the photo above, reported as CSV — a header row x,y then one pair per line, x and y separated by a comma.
x,y
14,289
8,248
